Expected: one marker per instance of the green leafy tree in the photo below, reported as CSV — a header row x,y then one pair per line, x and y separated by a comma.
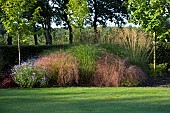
x,y
13,20
47,14
61,17
77,12
102,11
2,29
153,16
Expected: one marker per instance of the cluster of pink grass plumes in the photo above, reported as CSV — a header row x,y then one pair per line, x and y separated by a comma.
x,y
114,71
61,68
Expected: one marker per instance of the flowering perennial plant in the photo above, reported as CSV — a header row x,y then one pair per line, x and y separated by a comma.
x,y
28,75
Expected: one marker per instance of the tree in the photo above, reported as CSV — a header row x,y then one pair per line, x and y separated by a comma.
x,y
107,10
2,29
152,16
77,12
46,15
13,20
61,17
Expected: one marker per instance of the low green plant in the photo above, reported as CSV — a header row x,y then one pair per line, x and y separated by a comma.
x,y
28,75
159,70
114,48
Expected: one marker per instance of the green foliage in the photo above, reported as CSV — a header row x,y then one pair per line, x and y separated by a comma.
x,y
86,56
27,75
77,11
107,10
163,53
160,69
152,15
14,21
116,49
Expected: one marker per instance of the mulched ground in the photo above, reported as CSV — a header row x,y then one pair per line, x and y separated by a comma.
x,y
158,82
151,82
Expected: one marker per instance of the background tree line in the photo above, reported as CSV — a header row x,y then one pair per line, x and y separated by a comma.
x,y
67,13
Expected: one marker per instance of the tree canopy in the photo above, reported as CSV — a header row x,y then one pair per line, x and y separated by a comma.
x,y
77,12
152,15
13,19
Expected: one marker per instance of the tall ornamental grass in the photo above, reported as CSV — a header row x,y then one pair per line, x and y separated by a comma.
x,y
86,56
138,46
131,43
61,68
114,71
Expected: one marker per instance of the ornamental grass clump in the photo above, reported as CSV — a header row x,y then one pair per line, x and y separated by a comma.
x,y
114,71
61,68
86,56
109,71
27,75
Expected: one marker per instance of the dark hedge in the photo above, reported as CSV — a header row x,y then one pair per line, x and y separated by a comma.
x,y
9,54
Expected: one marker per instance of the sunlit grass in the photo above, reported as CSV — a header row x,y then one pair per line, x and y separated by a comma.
x,y
85,100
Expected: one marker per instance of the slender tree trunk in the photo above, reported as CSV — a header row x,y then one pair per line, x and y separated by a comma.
x,y
35,35
35,39
19,49
70,34
154,54
95,16
68,23
95,21
9,40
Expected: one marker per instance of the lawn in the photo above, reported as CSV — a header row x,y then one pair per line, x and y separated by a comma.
x,y
85,100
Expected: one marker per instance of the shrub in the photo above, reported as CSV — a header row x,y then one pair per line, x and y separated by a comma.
x,y
114,71
159,71
27,75
86,56
8,82
116,49
133,76
61,68
109,71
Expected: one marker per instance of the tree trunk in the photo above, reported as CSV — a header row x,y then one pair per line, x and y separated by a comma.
x,y
19,48
9,40
95,16
48,37
68,23
154,54
35,35
70,34
95,21
35,39
47,27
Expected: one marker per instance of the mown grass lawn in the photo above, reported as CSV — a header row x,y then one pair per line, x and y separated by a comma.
x,y
85,100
